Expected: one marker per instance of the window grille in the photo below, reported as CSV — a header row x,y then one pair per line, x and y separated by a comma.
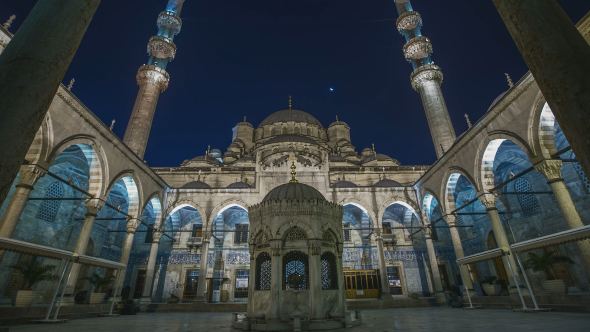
x,y
294,234
347,237
295,273
581,174
262,238
242,282
263,271
329,273
394,280
328,239
197,231
386,227
241,234
49,208
528,202
191,283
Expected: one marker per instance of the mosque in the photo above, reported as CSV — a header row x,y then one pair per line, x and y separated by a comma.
x,y
196,232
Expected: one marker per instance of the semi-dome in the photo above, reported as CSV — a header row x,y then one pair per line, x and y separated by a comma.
x,y
344,184
293,191
287,138
387,183
290,115
196,185
239,185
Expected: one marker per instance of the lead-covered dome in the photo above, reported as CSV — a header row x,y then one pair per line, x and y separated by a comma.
x,y
290,115
293,191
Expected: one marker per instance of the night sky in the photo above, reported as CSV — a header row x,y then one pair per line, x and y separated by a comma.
x,y
241,58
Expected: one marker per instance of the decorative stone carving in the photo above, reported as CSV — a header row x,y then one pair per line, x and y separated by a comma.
x,y
417,48
206,236
451,220
170,20
551,170
149,74
339,248
252,248
161,47
156,236
489,201
94,205
315,246
295,234
275,247
132,224
427,231
408,21
29,175
424,74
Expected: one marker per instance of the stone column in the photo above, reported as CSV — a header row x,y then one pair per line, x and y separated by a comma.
x,y
551,169
557,56
29,175
152,80
452,223
149,273
93,206
276,247
438,289
341,285
132,224
489,201
251,279
315,277
203,269
382,263
31,68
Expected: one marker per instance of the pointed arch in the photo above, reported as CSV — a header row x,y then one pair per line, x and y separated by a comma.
x,y
361,205
411,205
295,223
41,143
450,187
224,206
185,203
134,191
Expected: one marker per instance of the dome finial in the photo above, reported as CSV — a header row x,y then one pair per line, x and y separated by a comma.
x,y
289,102
336,118
293,167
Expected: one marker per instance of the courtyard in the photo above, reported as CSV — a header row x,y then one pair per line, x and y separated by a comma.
x,y
407,319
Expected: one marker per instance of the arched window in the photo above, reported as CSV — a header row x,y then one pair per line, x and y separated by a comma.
x,y
295,273
308,131
263,271
49,208
581,174
329,272
296,130
284,130
528,202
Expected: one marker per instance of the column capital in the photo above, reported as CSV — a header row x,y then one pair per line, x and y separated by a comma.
x,y
29,175
378,232
94,205
551,170
156,236
132,224
206,236
275,247
489,201
150,74
339,249
251,248
314,246
427,230
451,220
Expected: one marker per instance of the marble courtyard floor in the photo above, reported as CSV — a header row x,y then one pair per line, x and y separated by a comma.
x,y
407,319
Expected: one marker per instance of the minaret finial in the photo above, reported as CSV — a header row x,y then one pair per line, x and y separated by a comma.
x,y
336,118
112,124
289,102
244,118
468,122
71,85
293,167
9,22
373,145
208,149
510,83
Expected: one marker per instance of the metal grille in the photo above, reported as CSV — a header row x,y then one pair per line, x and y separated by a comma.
x,y
242,282
394,280
581,174
48,209
191,283
295,234
346,232
295,273
241,234
386,227
197,230
263,271
262,238
329,272
528,202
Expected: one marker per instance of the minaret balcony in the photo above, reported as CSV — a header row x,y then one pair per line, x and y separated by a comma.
x,y
161,47
150,74
170,20
426,73
417,48
408,21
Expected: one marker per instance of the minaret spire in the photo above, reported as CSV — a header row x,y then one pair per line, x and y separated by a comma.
x,y
426,77
153,78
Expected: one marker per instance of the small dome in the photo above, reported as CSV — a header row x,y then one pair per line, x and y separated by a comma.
x,y
387,183
367,152
337,123
291,138
379,157
293,191
344,184
498,99
336,158
215,153
290,115
196,185
207,159
239,185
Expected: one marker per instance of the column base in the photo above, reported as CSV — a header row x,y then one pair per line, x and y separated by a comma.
x,y
199,299
440,297
144,300
472,293
67,300
117,299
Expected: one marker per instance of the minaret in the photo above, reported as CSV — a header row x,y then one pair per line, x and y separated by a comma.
x,y
153,78
426,77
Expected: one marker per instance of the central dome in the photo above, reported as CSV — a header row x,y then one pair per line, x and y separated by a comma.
x,y
292,191
290,115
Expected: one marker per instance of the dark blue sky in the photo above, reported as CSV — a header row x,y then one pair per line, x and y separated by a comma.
x,y
241,58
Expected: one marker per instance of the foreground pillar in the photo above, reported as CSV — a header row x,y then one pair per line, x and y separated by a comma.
x,y
489,201
315,277
275,283
132,224
31,68
438,289
93,206
452,223
203,270
146,295
551,169
557,55
382,264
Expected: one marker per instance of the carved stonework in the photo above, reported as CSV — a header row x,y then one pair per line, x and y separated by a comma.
x,y
489,201
451,220
427,232
170,20
156,236
275,247
252,248
417,48
551,169
339,248
161,47
29,175
408,21
424,74
132,224
315,246
94,205
149,74
206,237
